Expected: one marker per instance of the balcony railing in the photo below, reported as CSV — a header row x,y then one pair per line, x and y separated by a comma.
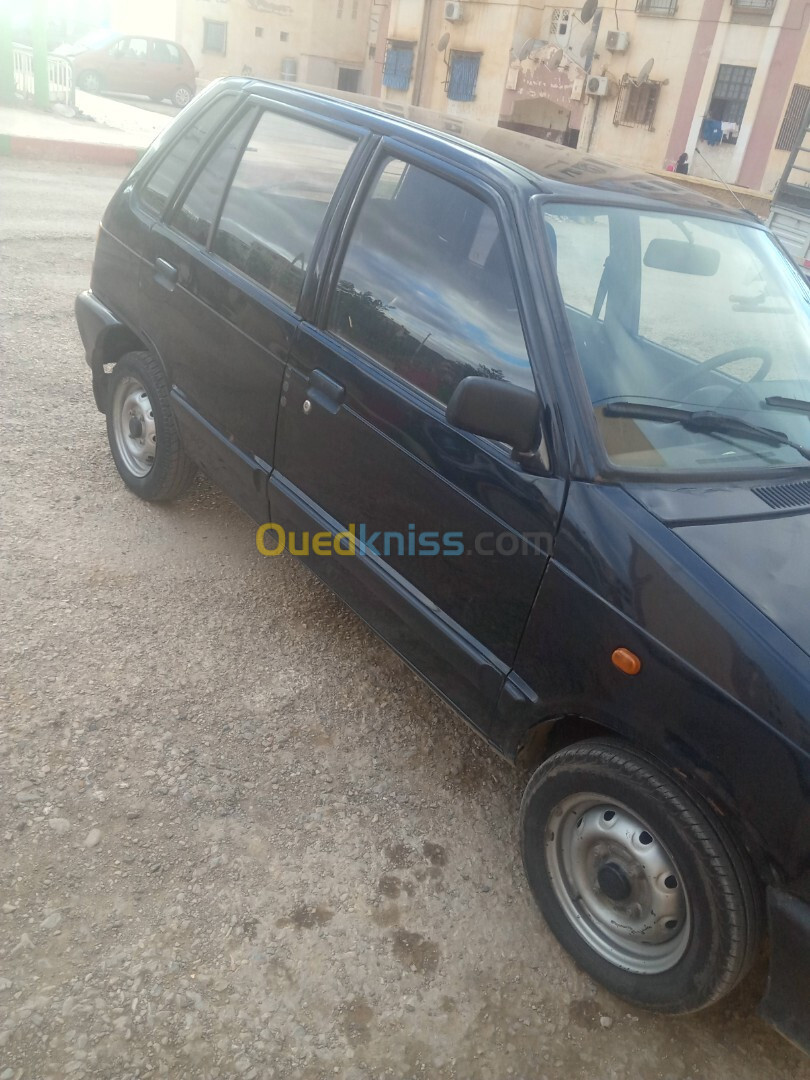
x,y
657,7
754,7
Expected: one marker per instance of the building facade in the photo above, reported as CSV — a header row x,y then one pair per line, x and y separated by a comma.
x,y
641,82
323,42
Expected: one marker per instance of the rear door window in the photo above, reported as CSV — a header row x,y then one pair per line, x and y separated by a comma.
x,y
278,200
165,178
425,288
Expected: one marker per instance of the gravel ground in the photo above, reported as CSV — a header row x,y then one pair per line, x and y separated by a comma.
x,y
238,838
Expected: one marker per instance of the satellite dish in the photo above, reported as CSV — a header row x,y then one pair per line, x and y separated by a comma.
x,y
588,10
444,41
588,44
555,59
644,74
526,49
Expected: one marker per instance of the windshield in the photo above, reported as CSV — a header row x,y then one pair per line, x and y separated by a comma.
x,y
674,315
95,40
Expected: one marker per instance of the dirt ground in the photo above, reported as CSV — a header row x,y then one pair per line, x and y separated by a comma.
x,y
238,838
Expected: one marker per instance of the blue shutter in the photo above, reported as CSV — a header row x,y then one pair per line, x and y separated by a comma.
x,y
463,76
398,65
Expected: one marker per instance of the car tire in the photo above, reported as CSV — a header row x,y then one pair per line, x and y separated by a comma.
x,y
181,96
142,431
638,879
92,82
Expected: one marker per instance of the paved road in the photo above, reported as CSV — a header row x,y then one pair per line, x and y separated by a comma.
x,y
237,837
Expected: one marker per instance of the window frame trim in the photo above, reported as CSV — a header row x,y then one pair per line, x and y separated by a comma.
x,y
339,127
194,173
392,147
143,180
215,22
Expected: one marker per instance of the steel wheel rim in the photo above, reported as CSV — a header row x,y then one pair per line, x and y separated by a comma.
x,y
91,83
182,97
617,883
133,425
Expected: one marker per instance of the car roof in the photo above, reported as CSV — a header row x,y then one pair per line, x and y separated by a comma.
x,y
554,169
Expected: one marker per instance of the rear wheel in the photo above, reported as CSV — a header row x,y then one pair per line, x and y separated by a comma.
x,y
143,433
638,879
91,82
181,96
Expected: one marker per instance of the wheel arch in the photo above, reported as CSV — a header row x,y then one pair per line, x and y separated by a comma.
x,y
551,734
113,343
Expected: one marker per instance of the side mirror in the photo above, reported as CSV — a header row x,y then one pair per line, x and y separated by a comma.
x,y
497,410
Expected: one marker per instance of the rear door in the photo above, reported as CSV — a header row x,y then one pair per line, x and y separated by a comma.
x,y
128,71
226,269
166,68
453,535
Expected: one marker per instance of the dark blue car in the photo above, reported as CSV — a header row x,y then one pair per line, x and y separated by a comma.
x,y
545,425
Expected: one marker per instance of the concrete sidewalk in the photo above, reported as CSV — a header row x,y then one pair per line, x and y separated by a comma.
x,y
113,131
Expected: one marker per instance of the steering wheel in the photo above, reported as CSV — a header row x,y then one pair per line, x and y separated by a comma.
x,y
694,379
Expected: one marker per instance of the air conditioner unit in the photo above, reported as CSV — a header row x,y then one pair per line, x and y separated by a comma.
x,y
597,85
453,12
617,41
561,31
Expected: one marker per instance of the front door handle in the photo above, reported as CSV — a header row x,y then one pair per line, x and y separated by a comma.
x,y
325,392
165,274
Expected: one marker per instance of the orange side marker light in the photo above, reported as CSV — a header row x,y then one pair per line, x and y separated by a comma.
x,y
626,661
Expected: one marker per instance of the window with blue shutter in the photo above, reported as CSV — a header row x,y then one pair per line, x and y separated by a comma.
x,y
463,75
398,65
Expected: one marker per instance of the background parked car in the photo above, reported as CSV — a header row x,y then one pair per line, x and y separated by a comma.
x,y
122,63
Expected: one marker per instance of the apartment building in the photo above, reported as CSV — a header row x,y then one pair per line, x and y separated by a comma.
x,y
323,42
641,81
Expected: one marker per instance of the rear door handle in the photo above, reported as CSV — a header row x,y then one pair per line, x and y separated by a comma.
x,y
325,392
165,274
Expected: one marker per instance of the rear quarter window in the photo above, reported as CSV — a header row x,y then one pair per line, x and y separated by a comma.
x,y
165,178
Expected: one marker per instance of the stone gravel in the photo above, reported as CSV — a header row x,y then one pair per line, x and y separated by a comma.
x,y
238,837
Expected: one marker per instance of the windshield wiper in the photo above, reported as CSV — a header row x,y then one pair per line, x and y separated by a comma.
x,y
794,404
704,420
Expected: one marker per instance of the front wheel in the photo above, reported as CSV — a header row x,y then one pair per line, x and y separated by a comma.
x,y
143,433
91,82
638,879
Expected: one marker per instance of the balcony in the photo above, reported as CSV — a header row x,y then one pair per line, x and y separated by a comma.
x,y
662,8
753,11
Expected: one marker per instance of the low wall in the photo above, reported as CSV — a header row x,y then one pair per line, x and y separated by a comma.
x,y
757,201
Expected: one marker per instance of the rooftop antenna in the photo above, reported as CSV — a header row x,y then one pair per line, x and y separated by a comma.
x,y
726,185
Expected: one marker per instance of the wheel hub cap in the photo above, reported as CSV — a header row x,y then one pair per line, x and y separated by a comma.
x,y
618,884
133,422
613,882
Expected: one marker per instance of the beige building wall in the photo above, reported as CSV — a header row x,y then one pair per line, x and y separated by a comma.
x,y
486,28
686,49
777,159
268,39
151,18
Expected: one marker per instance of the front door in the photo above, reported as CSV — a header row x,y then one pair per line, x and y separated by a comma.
x,y
222,287
453,536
